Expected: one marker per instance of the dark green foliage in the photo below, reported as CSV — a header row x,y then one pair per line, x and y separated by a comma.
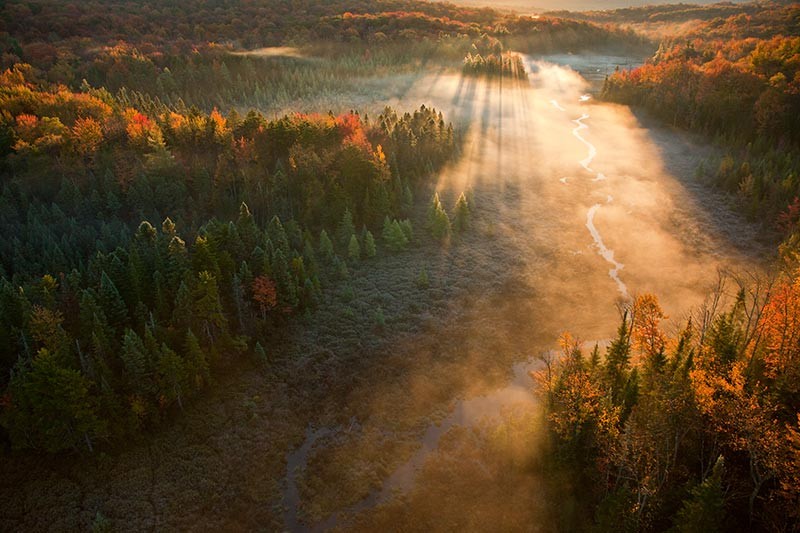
x,y
354,249
380,319
369,244
422,279
393,235
52,408
704,510
438,220
325,246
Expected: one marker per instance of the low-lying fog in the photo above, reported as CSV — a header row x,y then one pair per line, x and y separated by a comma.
x,y
579,207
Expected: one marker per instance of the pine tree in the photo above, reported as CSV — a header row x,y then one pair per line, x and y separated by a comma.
x,y
325,246
438,221
704,510
172,375
422,279
353,249
277,236
380,319
617,361
408,229
395,237
196,361
182,310
51,408
114,307
134,357
462,214
246,227
207,308
369,244
345,230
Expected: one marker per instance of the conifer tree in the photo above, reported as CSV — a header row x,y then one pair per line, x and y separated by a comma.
x,y
52,408
704,510
207,308
325,246
345,230
114,307
353,249
172,375
422,279
438,220
134,357
196,361
369,244
395,237
462,214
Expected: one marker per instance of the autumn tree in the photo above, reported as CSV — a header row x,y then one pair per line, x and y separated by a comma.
x,y
265,295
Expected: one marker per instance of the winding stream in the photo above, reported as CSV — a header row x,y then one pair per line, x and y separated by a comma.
x,y
602,249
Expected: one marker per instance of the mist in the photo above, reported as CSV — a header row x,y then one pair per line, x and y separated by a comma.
x,y
578,208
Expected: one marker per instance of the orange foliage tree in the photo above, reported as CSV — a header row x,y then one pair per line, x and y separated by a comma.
x,y
265,294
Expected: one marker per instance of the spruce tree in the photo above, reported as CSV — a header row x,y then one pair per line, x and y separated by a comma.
x,y
53,408
345,229
196,360
369,244
438,220
114,307
461,215
325,246
704,510
353,249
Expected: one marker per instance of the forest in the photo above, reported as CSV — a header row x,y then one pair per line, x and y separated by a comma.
x,y
255,254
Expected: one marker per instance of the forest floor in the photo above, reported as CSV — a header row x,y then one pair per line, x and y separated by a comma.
x,y
527,270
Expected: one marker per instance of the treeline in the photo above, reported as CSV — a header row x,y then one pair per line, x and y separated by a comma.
x,y
670,13
144,250
53,35
179,25
745,93
699,432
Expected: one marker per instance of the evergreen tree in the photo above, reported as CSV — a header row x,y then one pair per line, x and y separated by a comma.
x,y
617,362
277,236
325,246
353,249
704,510
172,375
462,214
422,279
114,307
207,308
408,229
438,220
51,408
182,310
369,244
246,228
196,361
395,237
134,357
345,230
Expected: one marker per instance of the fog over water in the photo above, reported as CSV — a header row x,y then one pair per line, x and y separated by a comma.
x,y
582,208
